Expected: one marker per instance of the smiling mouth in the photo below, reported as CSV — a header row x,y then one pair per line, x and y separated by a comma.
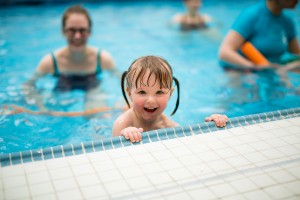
x,y
151,110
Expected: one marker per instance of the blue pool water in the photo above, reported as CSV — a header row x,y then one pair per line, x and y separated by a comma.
x,y
129,30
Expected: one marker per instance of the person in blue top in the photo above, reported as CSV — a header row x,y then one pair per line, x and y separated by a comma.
x,y
76,65
268,28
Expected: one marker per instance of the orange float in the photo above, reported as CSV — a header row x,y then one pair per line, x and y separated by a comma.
x,y
253,54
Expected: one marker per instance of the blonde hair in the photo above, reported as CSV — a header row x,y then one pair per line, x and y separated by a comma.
x,y
157,67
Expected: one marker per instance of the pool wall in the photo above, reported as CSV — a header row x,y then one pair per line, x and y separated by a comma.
x,y
148,137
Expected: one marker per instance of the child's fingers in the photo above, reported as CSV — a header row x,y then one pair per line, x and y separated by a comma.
x,y
133,134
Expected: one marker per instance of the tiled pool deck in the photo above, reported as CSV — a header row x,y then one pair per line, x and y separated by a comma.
x,y
254,157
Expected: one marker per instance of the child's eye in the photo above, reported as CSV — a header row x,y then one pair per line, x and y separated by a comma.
x,y
141,92
160,92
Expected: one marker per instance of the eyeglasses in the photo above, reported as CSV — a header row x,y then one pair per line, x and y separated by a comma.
x,y
73,31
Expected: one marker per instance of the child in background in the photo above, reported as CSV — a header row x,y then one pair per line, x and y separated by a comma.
x,y
149,85
192,20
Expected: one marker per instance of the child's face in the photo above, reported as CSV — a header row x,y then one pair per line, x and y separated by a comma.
x,y
149,101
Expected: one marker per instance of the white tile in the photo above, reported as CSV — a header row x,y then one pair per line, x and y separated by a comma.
x,y
124,162
116,187
160,178
151,168
79,170
95,191
61,173
199,148
87,180
162,155
250,138
73,194
282,176
282,123
293,129
243,149
39,177
136,150
200,170
226,153
234,197
268,125
241,130
238,161
57,163
13,170
203,193
243,185
78,160
295,171
34,167
257,194
178,196
144,159
278,192
139,182
117,153
14,181
45,197
260,146
171,164
179,174
291,139
41,188
98,156
190,160
253,128
276,142
155,146
180,151
104,166
223,190
108,176
209,156
272,153
280,132
233,141
65,184
262,180
293,187
129,172
171,143
255,157
217,145
11,194
289,150
218,165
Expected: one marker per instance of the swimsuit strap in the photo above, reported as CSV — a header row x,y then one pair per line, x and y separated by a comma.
x,y
98,67
56,72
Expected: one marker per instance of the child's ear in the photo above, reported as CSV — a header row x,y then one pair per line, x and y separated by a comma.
x,y
171,91
128,93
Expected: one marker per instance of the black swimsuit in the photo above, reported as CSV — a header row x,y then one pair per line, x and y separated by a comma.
x,y
80,82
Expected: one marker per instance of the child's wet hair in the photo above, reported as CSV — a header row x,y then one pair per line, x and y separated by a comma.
x,y
157,67
76,9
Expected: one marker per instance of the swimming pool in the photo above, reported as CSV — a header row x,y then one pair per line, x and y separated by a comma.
x,y
205,87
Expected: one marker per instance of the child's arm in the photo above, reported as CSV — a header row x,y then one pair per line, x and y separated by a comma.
x,y
219,119
124,126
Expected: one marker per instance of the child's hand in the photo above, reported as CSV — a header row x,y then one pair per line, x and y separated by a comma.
x,y
132,133
220,120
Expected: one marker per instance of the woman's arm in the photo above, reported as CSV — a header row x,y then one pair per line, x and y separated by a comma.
x,y
28,88
228,51
294,46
